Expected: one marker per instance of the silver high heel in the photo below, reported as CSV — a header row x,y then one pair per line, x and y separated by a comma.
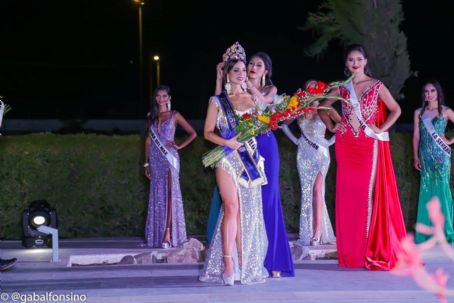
x,y
229,280
315,241
166,245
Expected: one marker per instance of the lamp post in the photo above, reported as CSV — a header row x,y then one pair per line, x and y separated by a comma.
x,y
140,3
158,70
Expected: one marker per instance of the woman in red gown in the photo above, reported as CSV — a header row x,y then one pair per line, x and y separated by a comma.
x,y
369,221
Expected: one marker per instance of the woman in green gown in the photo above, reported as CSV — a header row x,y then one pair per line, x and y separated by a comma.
x,y
432,156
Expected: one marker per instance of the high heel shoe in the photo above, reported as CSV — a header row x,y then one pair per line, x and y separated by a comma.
x,y
275,274
166,245
315,241
229,280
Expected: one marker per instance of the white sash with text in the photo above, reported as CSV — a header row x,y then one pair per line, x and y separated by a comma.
x,y
172,160
437,139
384,136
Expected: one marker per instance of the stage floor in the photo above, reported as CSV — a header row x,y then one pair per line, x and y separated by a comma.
x,y
316,281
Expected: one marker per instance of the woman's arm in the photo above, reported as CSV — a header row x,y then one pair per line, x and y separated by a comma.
x,y
179,119
289,133
450,117
259,97
416,160
218,89
392,106
210,126
147,160
330,116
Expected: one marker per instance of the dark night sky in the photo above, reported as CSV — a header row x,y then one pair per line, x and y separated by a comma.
x,y
78,59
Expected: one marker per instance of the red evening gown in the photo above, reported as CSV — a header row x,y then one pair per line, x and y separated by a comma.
x,y
369,221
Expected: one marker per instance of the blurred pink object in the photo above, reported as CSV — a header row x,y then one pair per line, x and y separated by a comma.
x,y
410,261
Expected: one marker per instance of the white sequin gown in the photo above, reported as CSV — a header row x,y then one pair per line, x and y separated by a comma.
x,y
254,241
310,162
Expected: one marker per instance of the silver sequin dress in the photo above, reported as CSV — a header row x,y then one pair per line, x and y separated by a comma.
x,y
253,234
164,187
310,162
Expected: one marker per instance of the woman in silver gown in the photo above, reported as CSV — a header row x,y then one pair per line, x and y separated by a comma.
x,y
238,247
312,160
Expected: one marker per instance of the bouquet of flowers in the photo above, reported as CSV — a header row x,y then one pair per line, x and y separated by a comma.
x,y
267,116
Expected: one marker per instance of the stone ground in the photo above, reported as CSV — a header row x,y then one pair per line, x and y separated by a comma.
x,y
36,279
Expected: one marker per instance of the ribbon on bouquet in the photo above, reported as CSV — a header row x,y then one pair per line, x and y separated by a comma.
x,y
164,151
437,139
384,136
250,175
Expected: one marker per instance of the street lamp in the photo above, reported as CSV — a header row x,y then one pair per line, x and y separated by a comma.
x,y
140,3
158,70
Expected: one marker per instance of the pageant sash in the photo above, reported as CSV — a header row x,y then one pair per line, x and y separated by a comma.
x,y
384,136
171,158
437,139
250,173
320,148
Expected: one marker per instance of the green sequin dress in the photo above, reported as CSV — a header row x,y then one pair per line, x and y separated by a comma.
x,y
435,177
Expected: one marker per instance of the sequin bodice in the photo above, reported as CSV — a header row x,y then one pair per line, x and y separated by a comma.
x,y
165,130
435,163
368,101
312,127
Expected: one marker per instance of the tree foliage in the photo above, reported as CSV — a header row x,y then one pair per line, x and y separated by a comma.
x,y
372,23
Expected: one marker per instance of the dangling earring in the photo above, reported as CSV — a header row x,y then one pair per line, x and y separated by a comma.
x,y
263,82
227,85
347,72
169,105
244,86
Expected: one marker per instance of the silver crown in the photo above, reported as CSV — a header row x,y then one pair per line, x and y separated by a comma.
x,y
236,52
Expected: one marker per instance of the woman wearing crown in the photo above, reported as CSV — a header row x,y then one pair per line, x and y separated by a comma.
x,y
239,244
278,259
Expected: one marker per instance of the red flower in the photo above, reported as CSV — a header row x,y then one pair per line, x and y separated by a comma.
x,y
321,86
246,116
301,93
318,88
273,125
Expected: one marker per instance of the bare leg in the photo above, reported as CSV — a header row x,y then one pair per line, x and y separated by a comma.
x,y
169,210
317,207
229,226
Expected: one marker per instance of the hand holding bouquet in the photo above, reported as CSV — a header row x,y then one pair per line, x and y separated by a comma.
x,y
267,117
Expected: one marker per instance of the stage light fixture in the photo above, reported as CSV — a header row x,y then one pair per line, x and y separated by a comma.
x,y
39,213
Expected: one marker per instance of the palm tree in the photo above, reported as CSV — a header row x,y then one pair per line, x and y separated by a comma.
x,y
372,23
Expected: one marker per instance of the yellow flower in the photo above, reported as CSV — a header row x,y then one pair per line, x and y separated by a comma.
x,y
264,119
293,102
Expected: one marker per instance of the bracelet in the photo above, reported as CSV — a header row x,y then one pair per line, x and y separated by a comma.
x,y
146,164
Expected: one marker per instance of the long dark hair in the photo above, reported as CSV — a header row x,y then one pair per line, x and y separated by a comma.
x,y
440,96
362,50
268,66
154,110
